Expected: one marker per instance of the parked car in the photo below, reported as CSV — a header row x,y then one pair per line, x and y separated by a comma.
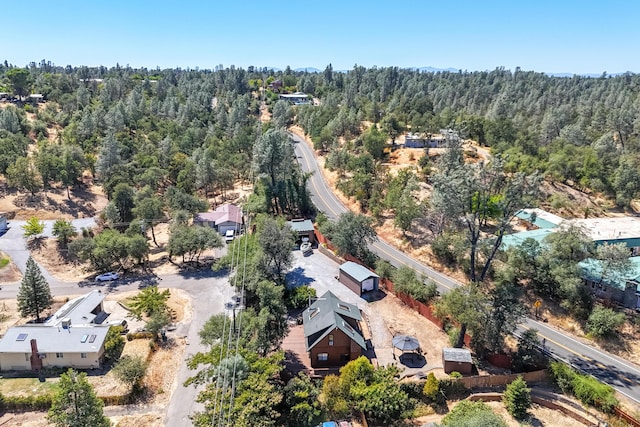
x,y
105,277
229,235
306,248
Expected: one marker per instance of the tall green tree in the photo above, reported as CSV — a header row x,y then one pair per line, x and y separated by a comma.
x,y
150,210
276,240
34,295
64,231
475,195
352,233
24,176
19,79
75,403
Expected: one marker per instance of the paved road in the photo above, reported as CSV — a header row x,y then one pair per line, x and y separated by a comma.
x,y
208,291
620,374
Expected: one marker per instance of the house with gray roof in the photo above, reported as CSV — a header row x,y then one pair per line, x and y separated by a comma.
x,y
33,347
225,217
73,337
358,278
332,332
303,228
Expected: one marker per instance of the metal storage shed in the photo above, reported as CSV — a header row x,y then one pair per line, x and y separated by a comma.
x,y
358,278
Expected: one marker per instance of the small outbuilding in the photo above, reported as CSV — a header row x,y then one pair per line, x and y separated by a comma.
x,y
457,359
304,230
358,278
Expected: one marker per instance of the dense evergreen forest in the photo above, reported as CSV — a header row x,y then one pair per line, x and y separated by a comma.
x,y
163,143
195,130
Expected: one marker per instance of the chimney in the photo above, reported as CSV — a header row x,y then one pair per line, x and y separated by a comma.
x,y
36,362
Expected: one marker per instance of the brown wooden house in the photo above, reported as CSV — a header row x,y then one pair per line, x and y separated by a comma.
x,y
332,332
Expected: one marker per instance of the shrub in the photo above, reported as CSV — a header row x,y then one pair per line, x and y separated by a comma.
x,y
299,296
130,370
587,389
455,374
604,322
431,387
384,269
468,413
453,334
517,398
406,281
114,343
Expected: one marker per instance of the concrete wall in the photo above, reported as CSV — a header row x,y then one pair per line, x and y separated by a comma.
x,y
343,348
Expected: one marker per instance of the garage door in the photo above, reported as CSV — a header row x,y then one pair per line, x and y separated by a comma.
x,y
367,285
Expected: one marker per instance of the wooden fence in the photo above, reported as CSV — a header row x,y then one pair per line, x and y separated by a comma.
x,y
630,419
498,380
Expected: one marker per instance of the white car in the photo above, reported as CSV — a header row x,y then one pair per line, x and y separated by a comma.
x,y
105,277
229,235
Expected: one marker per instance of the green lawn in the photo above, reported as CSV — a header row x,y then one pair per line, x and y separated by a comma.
x,y
26,386
4,262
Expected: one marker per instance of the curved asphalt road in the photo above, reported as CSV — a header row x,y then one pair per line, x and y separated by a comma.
x,y
620,374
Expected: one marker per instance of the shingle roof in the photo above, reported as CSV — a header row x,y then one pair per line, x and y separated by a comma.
x,y
357,271
51,339
456,355
516,239
327,314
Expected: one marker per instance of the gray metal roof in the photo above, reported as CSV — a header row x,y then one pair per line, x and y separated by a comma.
x,y
301,225
461,355
357,271
327,314
78,310
52,339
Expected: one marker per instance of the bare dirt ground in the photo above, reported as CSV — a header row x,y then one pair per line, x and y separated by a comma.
x,y
86,201
159,379
9,273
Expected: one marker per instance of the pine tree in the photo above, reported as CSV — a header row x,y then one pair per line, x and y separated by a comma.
x,y
517,398
34,294
75,404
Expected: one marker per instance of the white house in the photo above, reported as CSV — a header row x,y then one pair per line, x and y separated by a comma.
x,y
73,337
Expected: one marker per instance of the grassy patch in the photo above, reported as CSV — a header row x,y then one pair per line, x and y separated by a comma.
x,y
27,386
4,262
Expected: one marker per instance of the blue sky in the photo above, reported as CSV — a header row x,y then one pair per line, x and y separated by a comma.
x,y
551,36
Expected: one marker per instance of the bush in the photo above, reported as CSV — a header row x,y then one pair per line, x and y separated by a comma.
x,y
603,322
130,370
431,387
517,398
299,297
453,334
384,269
406,281
471,414
114,343
140,336
450,388
587,389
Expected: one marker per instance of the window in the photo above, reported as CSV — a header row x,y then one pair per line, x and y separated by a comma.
x,y
331,339
323,357
314,312
22,337
92,338
59,355
344,307
83,355
84,338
